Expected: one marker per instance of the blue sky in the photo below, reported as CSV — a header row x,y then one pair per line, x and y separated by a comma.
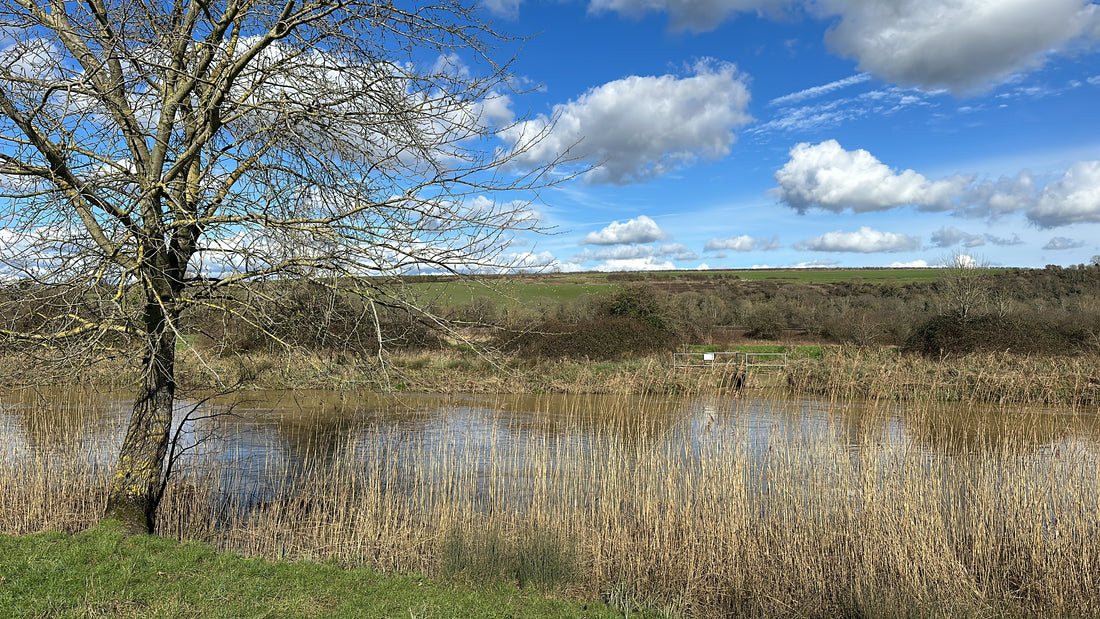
x,y
842,133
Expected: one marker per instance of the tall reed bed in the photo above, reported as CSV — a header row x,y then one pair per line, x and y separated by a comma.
x,y
855,372
699,505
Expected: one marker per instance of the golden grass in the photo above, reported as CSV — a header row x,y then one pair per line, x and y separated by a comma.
x,y
750,507
841,372
878,372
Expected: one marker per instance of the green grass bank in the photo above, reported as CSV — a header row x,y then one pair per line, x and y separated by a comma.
x,y
101,572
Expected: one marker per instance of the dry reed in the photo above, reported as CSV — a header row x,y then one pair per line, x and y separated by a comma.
x,y
751,506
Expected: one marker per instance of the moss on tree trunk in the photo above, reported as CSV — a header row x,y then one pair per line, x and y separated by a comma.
x,y
136,487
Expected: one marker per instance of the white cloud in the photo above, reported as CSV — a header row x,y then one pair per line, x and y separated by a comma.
x,y
633,252
1062,242
827,176
636,264
1004,242
824,89
639,128
948,236
1005,195
527,261
743,243
962,45
503,8
1074,198
914,264
960,261
698,15
813,264
865,240
639,230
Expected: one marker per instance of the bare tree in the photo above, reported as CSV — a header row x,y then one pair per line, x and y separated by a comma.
x,y
965,287
161,157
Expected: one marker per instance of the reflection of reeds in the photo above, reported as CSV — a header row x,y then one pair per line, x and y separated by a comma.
x,y
704,517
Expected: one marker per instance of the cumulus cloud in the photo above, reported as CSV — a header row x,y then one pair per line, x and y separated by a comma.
x,y
960,261
866,240
638,230
828,177
913,264
639,128
743,243
961,45
1004,242
1061,242
1074,198
675,251
949,236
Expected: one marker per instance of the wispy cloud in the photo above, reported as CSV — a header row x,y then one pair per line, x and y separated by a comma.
x,y
1061,242
832,113
818,91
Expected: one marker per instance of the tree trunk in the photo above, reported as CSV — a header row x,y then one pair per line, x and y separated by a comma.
x,y
135,489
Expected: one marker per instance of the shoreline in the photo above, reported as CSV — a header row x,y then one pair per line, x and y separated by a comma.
x,y
829,371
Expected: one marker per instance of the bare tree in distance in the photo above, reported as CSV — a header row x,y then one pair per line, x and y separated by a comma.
x,y
965,286
158,158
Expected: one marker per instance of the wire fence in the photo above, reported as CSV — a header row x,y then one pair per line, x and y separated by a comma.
x,y
732,358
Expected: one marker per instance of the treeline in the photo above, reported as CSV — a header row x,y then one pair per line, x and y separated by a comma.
x,y
1030,311
1050,311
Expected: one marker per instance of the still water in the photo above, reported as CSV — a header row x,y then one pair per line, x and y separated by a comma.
x,y
262,442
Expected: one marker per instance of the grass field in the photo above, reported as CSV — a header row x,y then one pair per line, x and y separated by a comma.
x,y
523,289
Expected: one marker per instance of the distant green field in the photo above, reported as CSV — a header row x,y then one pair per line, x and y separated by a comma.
x,y
832,276
525,289
506,293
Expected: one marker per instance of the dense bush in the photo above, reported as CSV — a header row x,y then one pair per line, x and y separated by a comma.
x,y
637,303
314,318
766,323
634,320
950,334
606,338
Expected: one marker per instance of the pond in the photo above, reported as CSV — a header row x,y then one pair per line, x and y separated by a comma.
x,y
262,443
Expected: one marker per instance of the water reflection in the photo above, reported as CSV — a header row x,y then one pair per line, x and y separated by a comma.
x,y
261,445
